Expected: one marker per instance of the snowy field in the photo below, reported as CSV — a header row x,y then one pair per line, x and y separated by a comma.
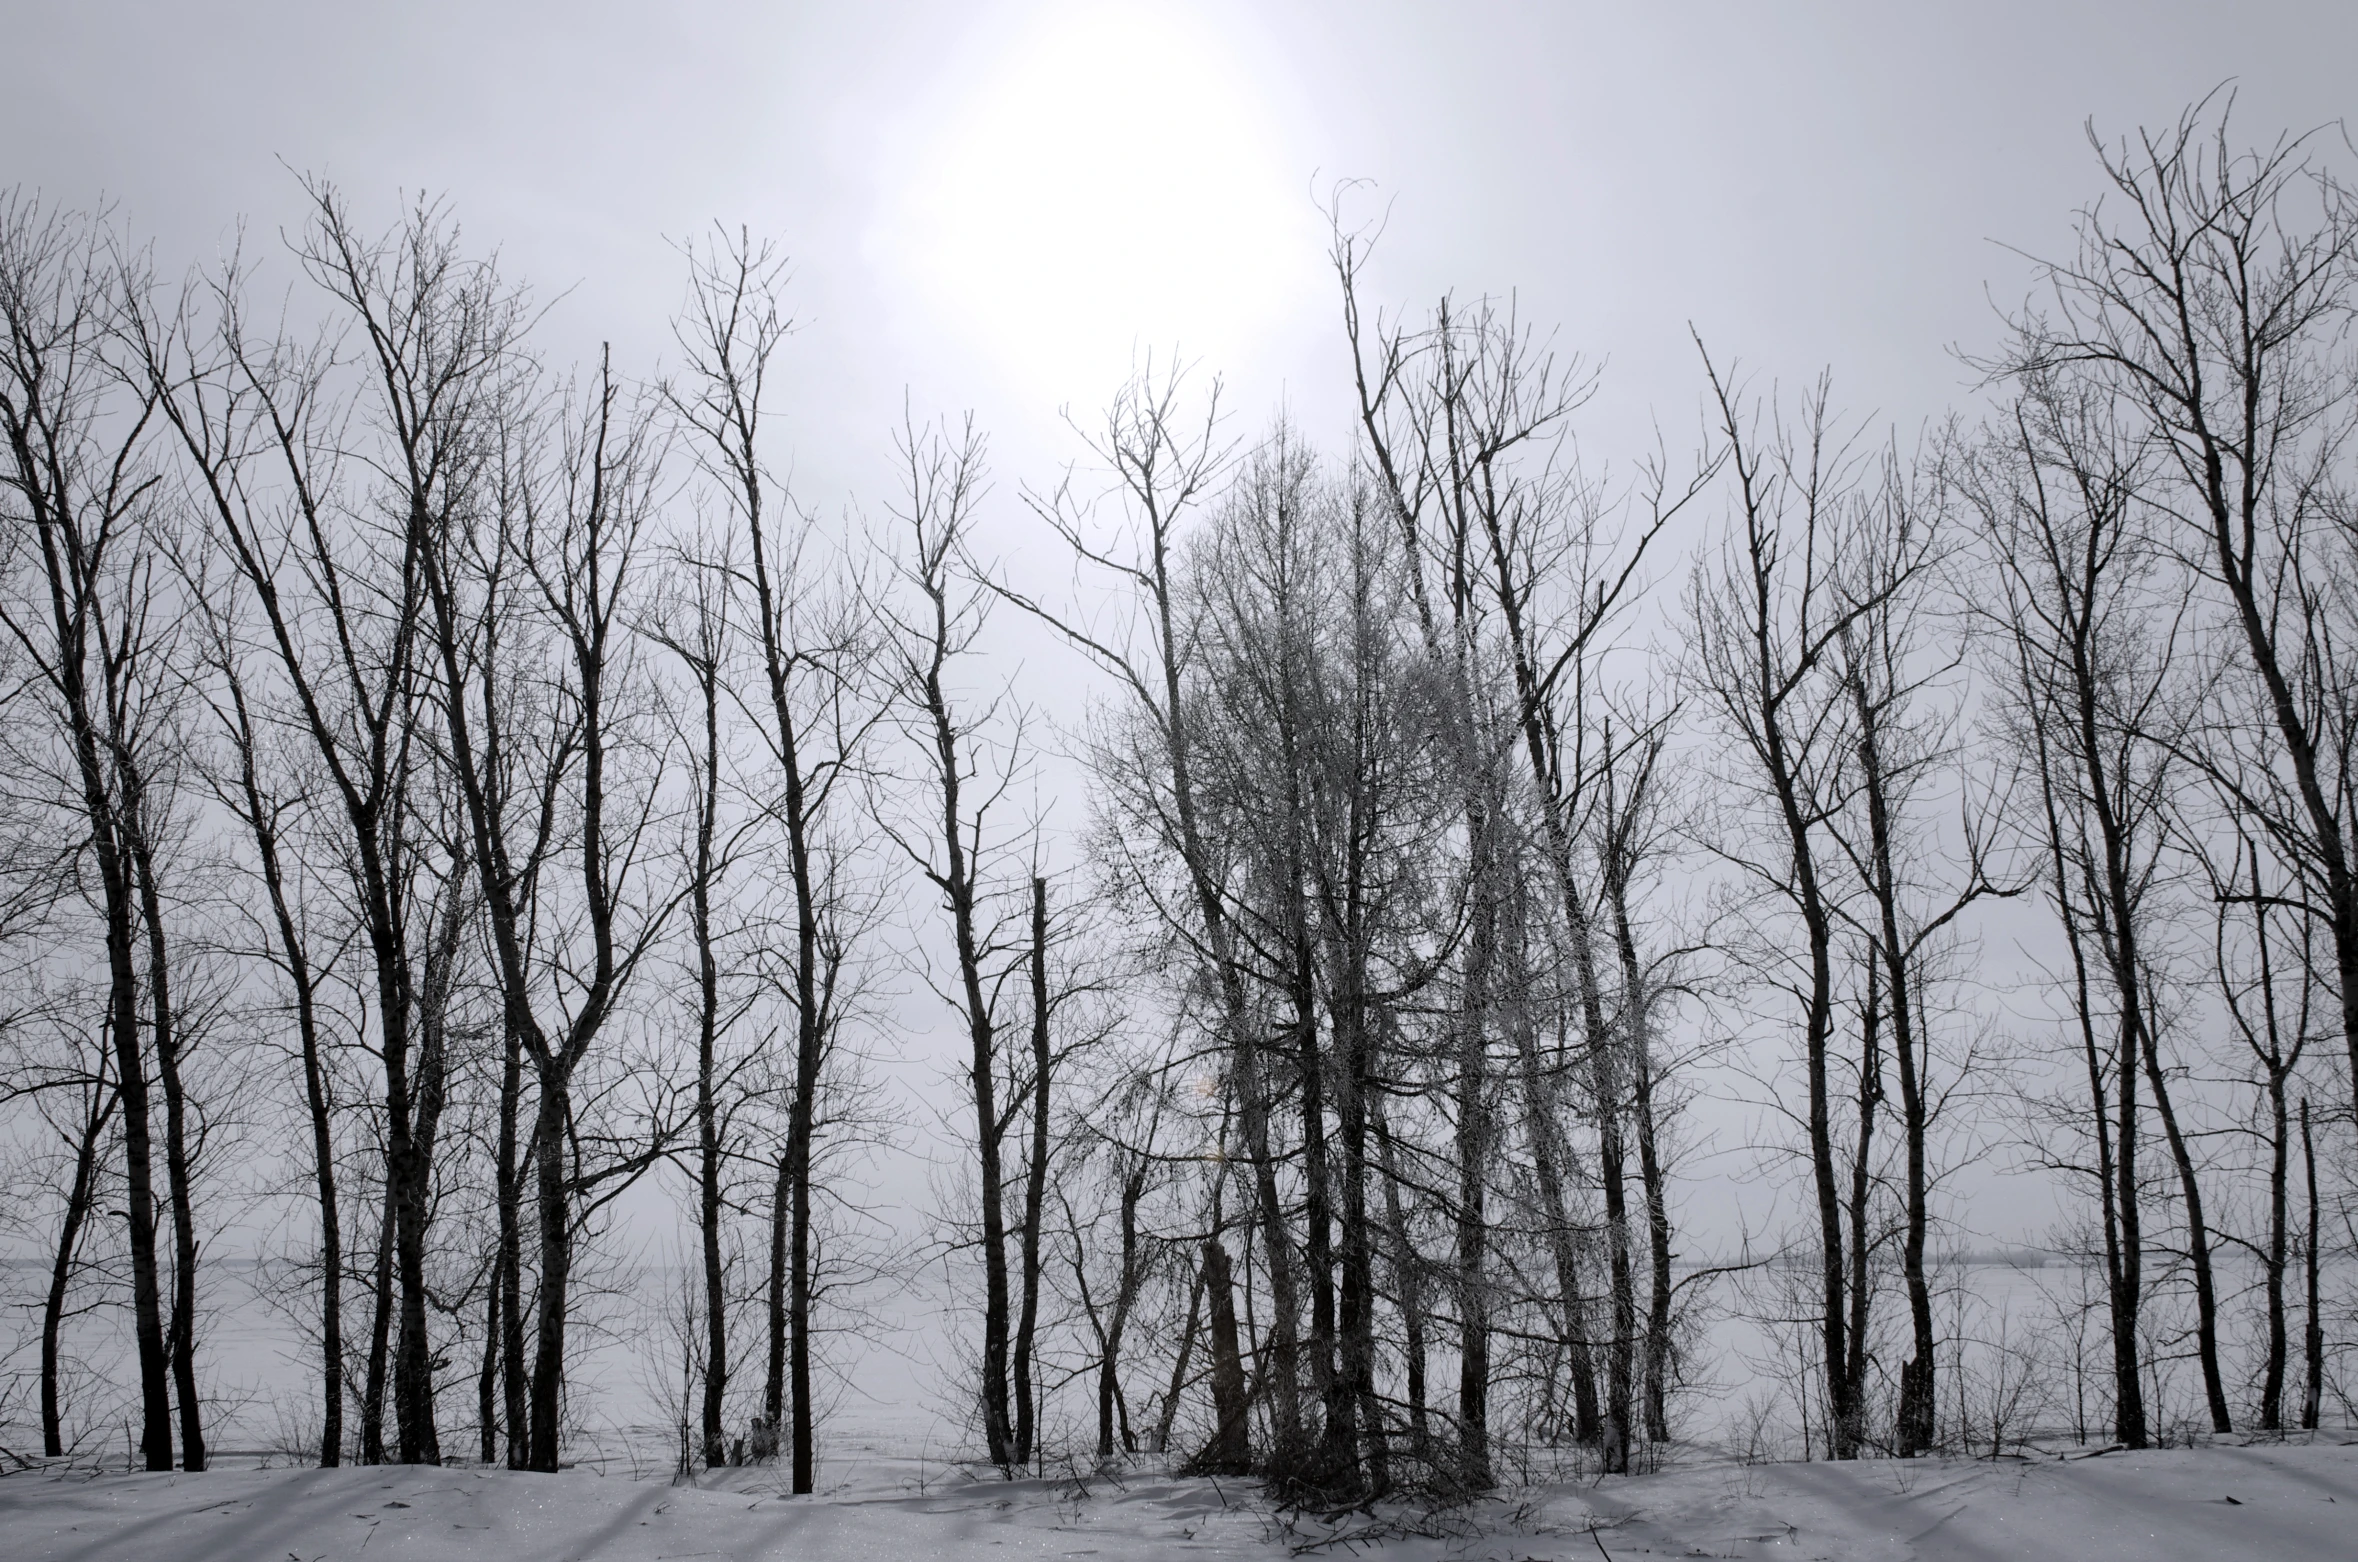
x,y
2220,1502
891,1489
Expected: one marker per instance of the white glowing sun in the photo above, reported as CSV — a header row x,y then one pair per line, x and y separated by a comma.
x,y
1111,183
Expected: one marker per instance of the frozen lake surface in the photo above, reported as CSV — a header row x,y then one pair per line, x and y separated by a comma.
x,y
2023,1361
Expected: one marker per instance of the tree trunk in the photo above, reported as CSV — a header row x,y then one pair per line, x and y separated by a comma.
x,y
2198,1242
1918,1416
2313,1327
413,1361
182,1332
1862,1168
2113,901
155,1436
1547,1164
1605,1086
1229,1453
1179,1364
2128,1273
79,1195
263,825
1843,1406
1035,1189
1355,1415
2274,1262
1318,1264
773,1394
556,1261
1109,1382
331,1238
1637,1007
380,1335
2116,1180
405,1183
1473,1142
515,1393
1407,1283
487,1377
708,1142
800,1275
115,873
956,883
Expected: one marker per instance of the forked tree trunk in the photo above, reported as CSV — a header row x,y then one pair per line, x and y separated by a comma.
x,y
1637,1008
413,1361
1849,1438
167,1040
1109,1363
1605,1091
2116,1176
1918,1416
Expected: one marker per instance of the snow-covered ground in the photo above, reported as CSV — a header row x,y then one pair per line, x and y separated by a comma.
x,y
2219,1502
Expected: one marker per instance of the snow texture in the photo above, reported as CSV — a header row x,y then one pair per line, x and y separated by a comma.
x,y
2259,1502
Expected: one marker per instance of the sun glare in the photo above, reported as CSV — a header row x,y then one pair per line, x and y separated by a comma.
x,y
1111,183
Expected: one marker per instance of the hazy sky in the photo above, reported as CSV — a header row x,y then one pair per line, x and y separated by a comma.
x,y
994,205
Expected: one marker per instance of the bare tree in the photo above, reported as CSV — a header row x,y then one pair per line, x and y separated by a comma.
x,y
1164,464
81,606
702,643
1903,741
341,599
968,768
2250,980
814,716
1631,817
2212,303
1035,1185
1768,626
2086,638
558,558
263,816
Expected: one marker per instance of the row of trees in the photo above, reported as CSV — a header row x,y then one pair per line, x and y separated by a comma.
x,y
370,712
489,789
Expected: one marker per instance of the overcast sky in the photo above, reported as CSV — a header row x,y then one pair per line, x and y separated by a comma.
x,y
995,205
